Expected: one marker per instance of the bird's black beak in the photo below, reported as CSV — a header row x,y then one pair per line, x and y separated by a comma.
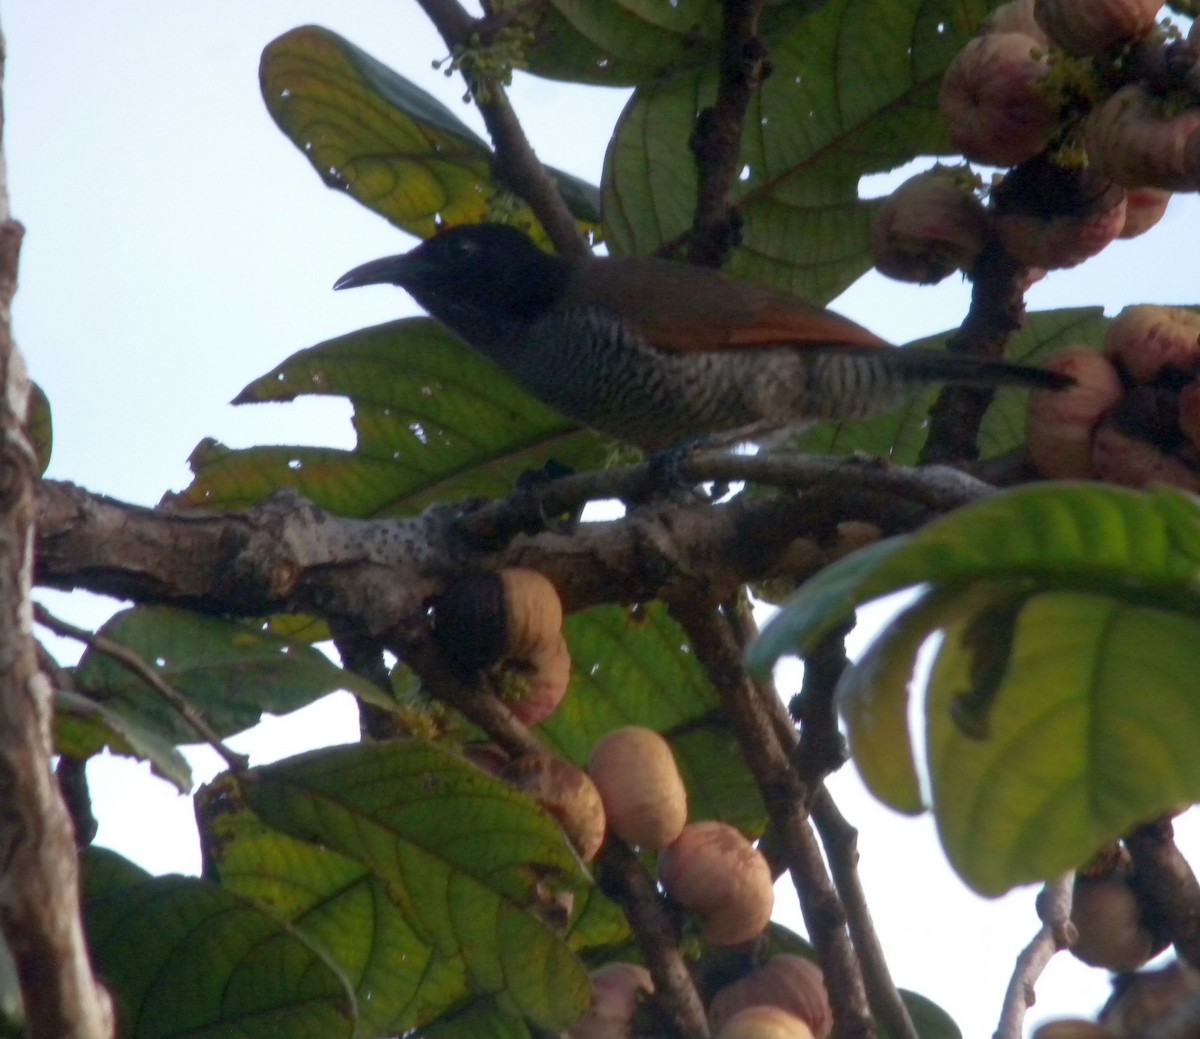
x,y
391,270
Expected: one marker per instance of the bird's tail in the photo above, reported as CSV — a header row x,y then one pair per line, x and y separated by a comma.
x,y
942,366
854,383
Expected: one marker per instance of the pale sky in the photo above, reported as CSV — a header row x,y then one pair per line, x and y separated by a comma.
x,y
179,246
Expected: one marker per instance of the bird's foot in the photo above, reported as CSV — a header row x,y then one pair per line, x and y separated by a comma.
x,y
666,473
528,501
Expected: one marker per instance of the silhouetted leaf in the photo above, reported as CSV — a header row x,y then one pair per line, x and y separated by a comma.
x,y
231,672
39,426
619,42
83,727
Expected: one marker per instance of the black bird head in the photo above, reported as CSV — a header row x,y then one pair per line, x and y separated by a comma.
x,y
471,274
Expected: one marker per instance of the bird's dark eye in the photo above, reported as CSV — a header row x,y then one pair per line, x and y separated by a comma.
x,y
462,248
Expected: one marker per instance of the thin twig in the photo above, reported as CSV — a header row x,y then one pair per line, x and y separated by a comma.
x,y
516,163
138,667
820,751
622,877
1057,932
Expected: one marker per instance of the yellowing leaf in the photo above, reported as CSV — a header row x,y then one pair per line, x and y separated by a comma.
x,y
1092,729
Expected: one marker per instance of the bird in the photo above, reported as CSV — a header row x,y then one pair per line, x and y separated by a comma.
x,y
657,353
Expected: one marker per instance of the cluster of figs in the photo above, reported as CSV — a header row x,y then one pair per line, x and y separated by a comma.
x,y
1090,107
631,788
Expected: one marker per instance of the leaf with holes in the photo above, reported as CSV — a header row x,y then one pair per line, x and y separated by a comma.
x,y
384,141
435,421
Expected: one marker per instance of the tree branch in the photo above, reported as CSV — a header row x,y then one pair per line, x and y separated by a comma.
x,y
717,139
997,310
39,878
715,646
286,555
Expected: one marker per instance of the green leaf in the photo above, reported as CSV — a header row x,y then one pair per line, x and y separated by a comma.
x,y
39,427
480,1018
399,980
182,958
900,435
873,700
468,860
435,421
635,668
231,672
622,42
819,123
929,1019
83,728
1091,730
383,140
1133,544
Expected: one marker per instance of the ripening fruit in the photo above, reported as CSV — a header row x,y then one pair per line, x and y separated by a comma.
x,y
1059,425
1092,26
566,793
1148,997
1088,213
992,100
1120,457
1072,1028
764,1022
1189,414
1133,139
644,797
1144,207
1107,916
788,982
1146,340
930,226
617,989
714,871
1015,16
514,619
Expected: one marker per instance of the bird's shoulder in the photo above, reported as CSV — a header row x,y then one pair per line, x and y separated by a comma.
x,y
684,308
